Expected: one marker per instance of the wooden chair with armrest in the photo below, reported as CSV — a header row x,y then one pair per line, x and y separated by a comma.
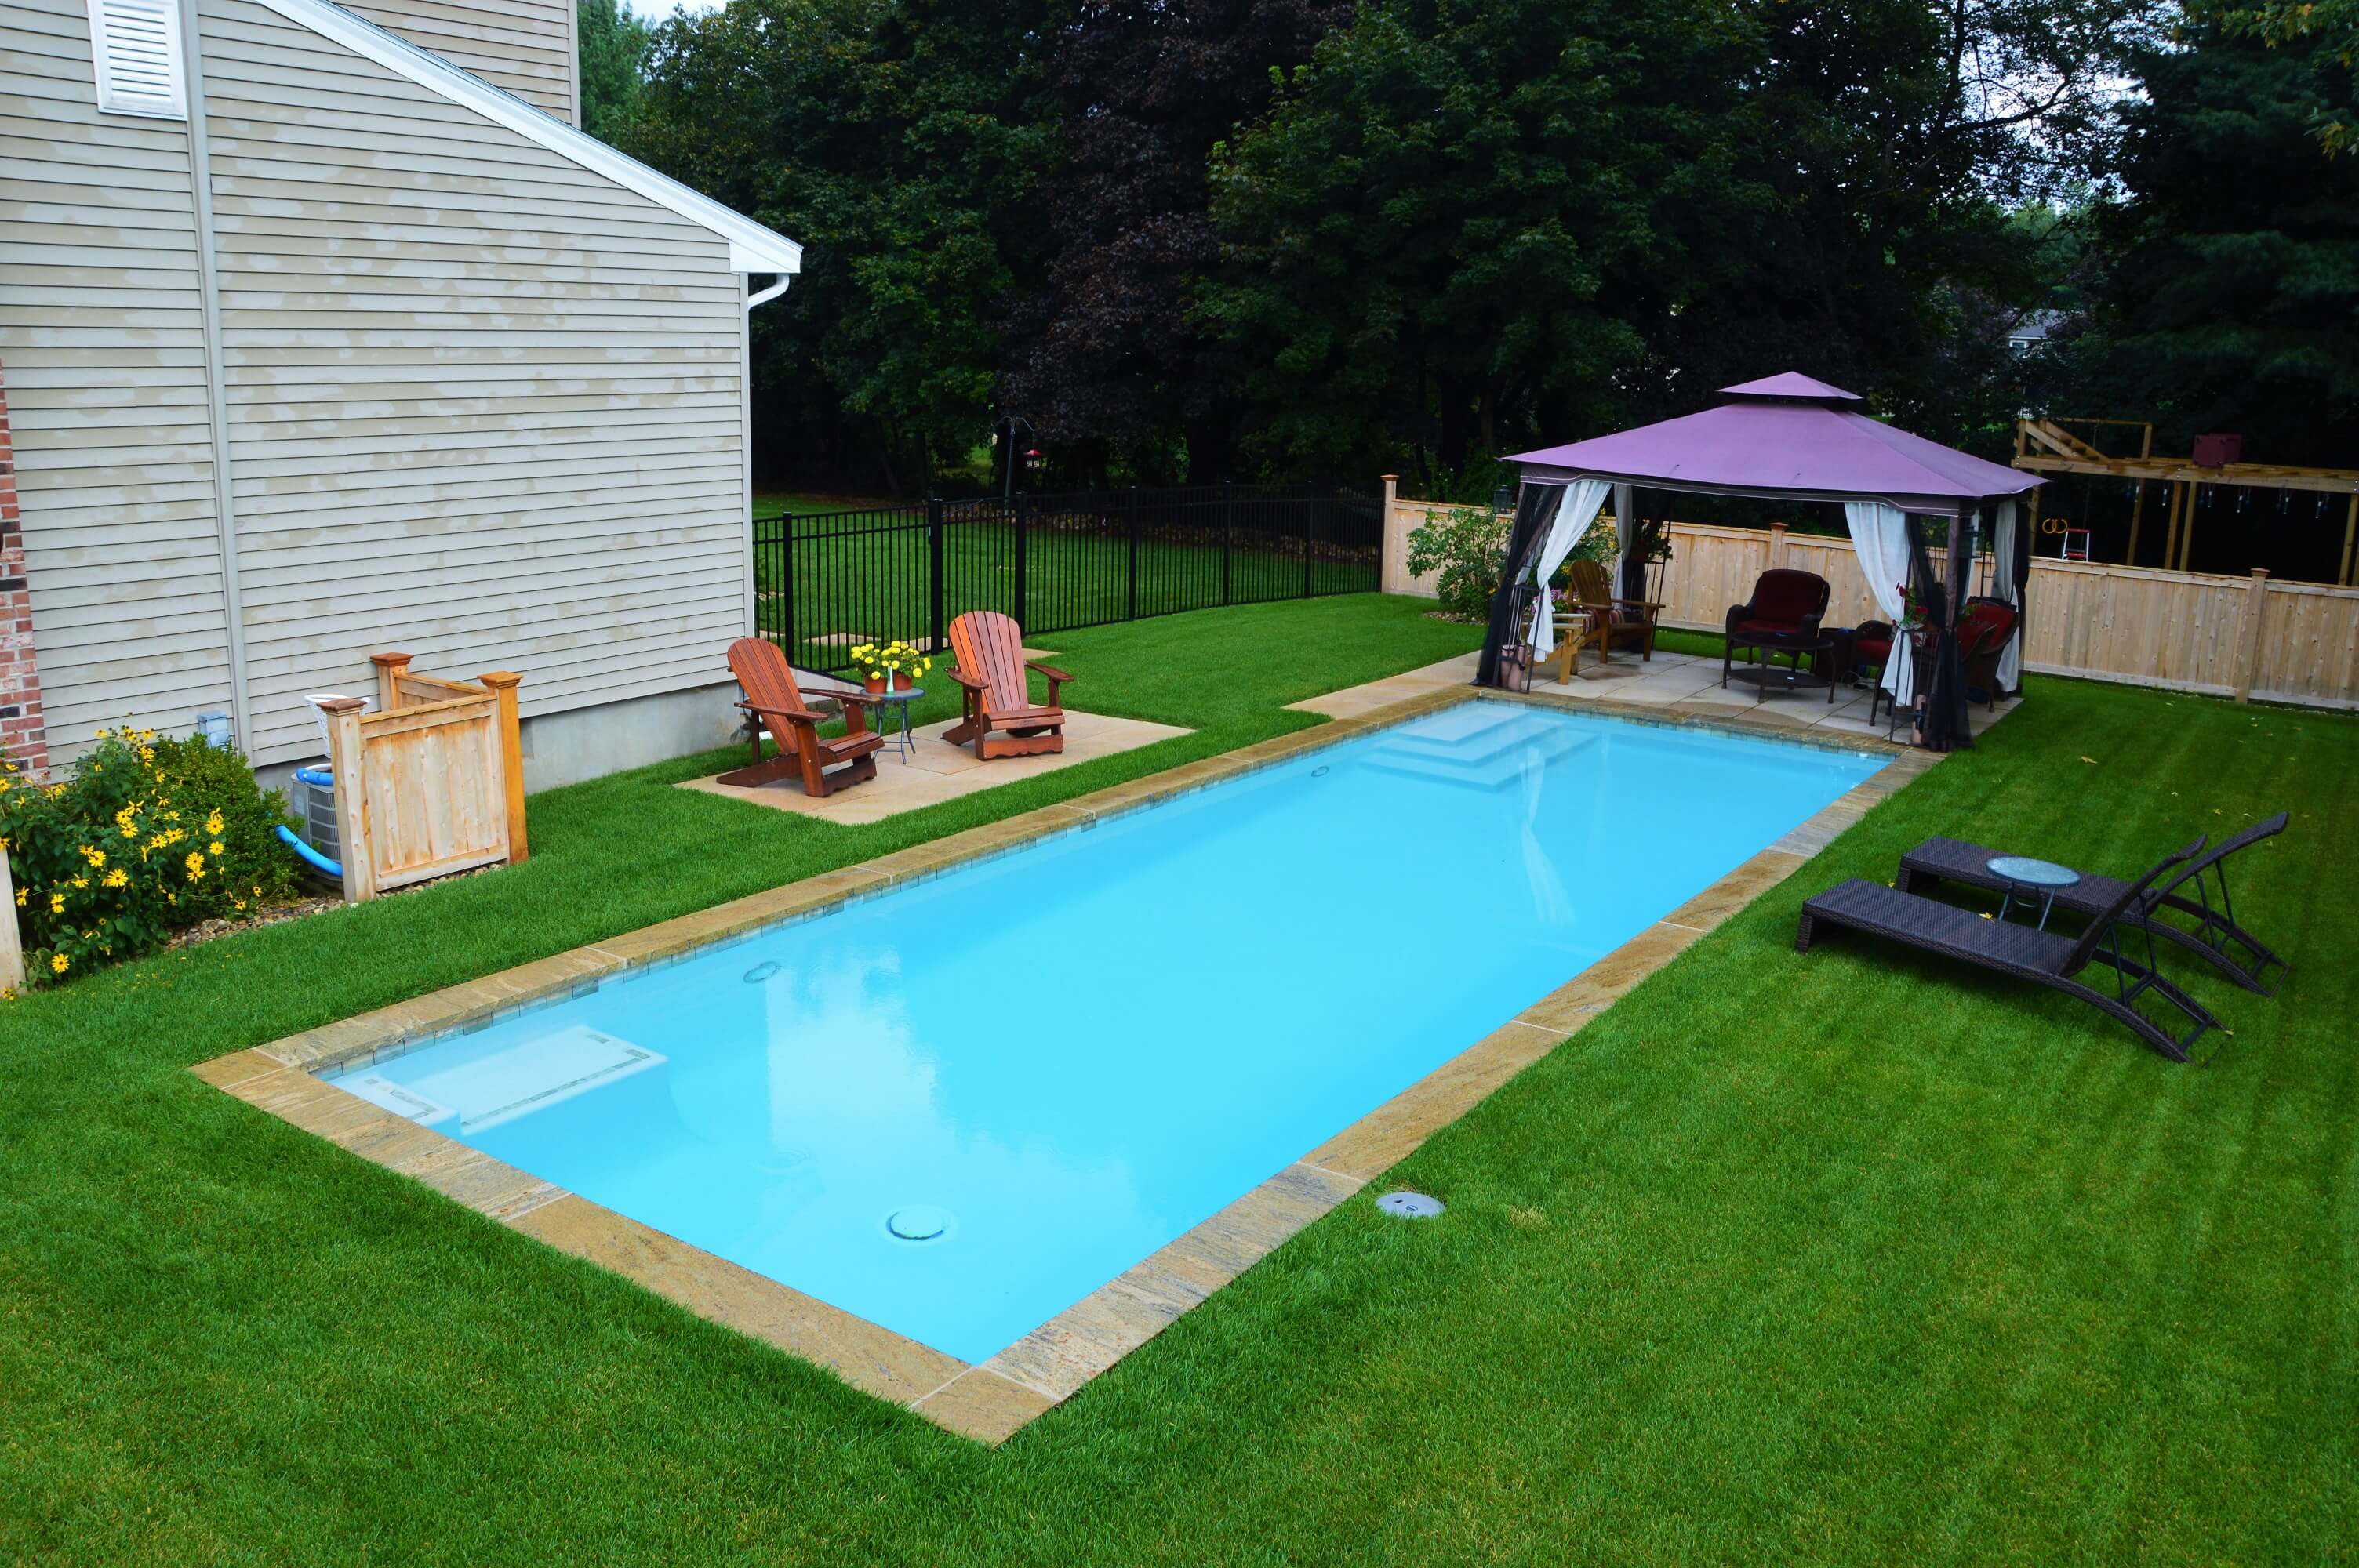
x,y
776,698
1001,718
1612,622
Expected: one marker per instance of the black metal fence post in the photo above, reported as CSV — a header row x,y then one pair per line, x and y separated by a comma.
x,y
1132,611
937,627
1228,534
1022,534
786,580
1310,531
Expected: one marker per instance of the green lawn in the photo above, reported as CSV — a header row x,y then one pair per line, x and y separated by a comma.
x,y
1785,1258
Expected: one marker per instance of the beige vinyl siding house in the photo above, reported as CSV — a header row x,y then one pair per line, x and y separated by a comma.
x,y
364,356
102,334
524,47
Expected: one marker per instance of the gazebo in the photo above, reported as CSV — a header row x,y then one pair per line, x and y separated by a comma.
x,y
1785,438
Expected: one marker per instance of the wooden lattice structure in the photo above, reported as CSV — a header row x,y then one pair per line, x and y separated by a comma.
x,y
430,784
2045,445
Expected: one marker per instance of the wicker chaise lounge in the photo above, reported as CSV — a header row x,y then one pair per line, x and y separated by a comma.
x,y
2044,957
2217,937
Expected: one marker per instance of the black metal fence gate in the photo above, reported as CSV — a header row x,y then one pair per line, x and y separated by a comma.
x,y
826,581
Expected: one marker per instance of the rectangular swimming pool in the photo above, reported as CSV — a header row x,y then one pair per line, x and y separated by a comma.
x,y
956,1107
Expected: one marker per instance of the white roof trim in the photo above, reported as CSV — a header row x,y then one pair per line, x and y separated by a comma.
x,y
752,248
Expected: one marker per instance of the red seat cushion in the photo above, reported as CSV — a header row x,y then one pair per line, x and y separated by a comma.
x,y
1773,628
1998,617
1869,649
1785,597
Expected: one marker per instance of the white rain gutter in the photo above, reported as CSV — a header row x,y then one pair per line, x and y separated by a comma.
x,y
770,293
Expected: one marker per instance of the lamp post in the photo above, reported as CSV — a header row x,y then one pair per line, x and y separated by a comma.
x,y
1008,423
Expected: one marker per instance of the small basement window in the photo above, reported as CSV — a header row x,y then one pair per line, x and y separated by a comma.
x,y
136,49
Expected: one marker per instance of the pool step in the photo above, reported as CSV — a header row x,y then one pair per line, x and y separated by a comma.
x,y
1477,732
1488,766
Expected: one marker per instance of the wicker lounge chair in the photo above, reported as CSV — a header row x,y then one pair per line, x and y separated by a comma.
x,y
2240,955
2044,957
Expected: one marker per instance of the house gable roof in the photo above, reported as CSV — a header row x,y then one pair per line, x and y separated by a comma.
x,y
752,247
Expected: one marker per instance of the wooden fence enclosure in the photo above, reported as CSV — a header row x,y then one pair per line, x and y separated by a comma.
x,y
2227,636
430,784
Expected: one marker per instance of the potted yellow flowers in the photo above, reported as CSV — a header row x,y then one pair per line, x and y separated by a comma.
x,y
890,666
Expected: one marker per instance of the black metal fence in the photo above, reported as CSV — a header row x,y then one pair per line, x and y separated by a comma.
x,y
825,582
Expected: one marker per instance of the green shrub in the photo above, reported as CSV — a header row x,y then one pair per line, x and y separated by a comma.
x,y
1466,550
145,837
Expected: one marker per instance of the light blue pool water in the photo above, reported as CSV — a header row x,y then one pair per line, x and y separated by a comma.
x,y
1063,1058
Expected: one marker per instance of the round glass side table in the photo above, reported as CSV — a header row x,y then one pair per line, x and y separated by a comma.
x,y
2030,881
897,702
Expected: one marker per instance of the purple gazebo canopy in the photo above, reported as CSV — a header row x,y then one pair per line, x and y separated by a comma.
x,y
1785,438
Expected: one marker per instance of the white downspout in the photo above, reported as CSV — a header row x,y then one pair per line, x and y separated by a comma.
x,y
746,427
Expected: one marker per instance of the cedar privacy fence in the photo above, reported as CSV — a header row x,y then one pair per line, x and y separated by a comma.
x,y
827,581
2226,636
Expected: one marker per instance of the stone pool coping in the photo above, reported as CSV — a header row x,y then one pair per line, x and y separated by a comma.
x,y
991,1401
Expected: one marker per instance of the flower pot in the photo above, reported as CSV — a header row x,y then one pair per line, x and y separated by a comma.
x,y
875,684
901,681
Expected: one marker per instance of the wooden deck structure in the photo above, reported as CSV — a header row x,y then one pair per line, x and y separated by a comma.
x,y
430,784
2045,446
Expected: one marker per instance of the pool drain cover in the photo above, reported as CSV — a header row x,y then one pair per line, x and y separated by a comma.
x,y
920,1222
1409,1206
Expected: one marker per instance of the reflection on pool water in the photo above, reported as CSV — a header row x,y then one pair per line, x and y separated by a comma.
x,y
957,1108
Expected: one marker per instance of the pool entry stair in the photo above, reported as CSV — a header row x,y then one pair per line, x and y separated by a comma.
x,y
1477,745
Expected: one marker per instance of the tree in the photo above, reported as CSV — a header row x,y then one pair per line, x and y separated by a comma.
x,y
1107,353
901,143
2328,29
1468,227
1454,217
613,44
2232,289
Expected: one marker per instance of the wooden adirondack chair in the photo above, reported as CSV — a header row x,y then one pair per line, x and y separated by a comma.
x,y
775,698
1628,622
1001,718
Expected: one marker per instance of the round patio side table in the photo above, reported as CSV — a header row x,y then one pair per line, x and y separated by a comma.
x,y
2032,881
899,702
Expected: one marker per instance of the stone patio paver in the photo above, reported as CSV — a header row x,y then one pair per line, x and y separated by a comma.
x,y
937,771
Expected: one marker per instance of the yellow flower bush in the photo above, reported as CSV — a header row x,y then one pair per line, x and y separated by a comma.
x,y
99,860
877,660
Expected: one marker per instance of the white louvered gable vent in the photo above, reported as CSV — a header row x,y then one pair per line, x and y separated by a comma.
x,y
135,45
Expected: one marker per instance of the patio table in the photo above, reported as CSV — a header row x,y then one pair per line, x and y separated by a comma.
x,y
2031,880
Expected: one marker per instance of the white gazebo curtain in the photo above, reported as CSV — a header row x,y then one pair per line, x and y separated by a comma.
x,y
1879,537
2010,658
1579,508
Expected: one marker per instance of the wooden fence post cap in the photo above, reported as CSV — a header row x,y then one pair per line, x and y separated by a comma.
x,y
2260,572
342,705
501,681
1389,478
383,660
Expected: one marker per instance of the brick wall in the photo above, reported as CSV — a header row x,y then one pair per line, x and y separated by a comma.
x,y
20,678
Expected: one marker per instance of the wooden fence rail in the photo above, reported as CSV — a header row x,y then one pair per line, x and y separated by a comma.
x,y
2228,637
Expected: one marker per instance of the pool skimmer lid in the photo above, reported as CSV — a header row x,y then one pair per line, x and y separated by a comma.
x,y
1409,1206
918,1222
